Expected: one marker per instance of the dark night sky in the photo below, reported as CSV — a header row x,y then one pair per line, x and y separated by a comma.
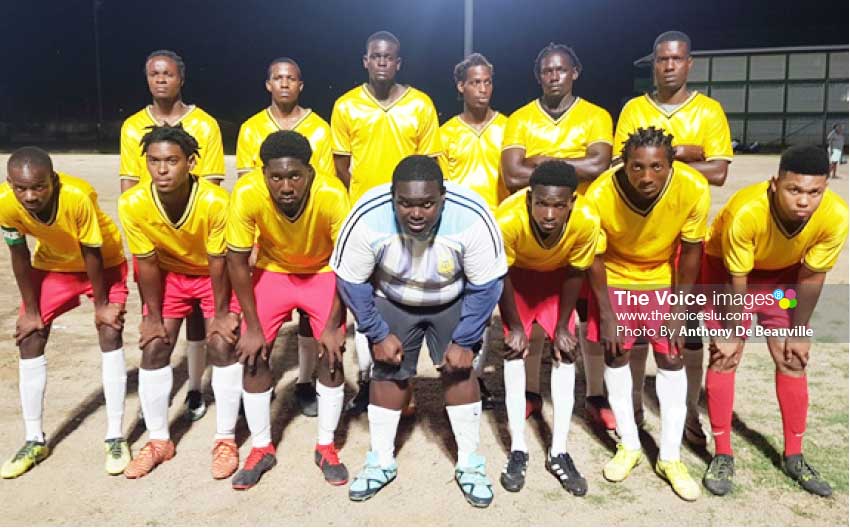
x,y
50,66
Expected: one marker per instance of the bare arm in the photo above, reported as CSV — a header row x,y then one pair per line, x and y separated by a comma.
x,y
517,169
565,342
111,315
516,343
342,164
127,184
252,342
22,269
715,171
597,277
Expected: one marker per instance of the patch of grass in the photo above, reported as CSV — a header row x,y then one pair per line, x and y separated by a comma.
x,y
596,500
799,511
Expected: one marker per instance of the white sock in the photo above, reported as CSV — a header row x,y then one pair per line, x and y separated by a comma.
x,y
563,383
364,356
480,360
258,414
114,377
466,421
196,359
637,362
227,389
672,389
32,382
515,402
693,359
534,359
308,353
330,408
383,424
594,366
154,392
619,383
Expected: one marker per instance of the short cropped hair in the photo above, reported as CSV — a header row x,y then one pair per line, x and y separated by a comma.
x,y
804,159
417,168
178,60
554,173
385,36
286,144
30,156
282,60
672,36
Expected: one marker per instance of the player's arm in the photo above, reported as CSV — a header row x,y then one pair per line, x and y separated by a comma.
x,y
517,168
332,340
715,171
565,342
224,323
360,299
596,160
252,342
516,342
686,275
809,287
29,321
609,338
150,287
111,315
127,183
342,164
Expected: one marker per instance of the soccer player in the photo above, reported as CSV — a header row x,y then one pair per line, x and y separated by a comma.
x,y
701,139
295,220
166,73
78,252
650,206
472,143
419,259
786,233
284,113
175,228
550,237
373,127
559,125
835,148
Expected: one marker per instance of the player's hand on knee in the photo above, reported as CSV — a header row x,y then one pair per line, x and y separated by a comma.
x,y
564,346
458,358
152,329
389,350
725,353
225,326
797,352
331,346
516,344
609,339
251,344
26,325
111,315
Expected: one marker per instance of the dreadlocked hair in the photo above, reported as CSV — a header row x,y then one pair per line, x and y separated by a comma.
x,y
556,48
649,137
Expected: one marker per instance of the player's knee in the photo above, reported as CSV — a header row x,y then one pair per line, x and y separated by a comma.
x,y
110,338
794,368
156,355
219,352
328,378
617,361
668,362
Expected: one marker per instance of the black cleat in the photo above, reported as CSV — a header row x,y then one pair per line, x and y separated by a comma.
x,y
305,395
718,476
563,468
809,479
196,407
513,476
259,461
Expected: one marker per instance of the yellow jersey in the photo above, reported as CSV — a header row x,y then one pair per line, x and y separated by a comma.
x,y
302,245
533,130
75,220
377,137
747,235
640,245
257,128
182,246
523,248
199,124
471,157
700,120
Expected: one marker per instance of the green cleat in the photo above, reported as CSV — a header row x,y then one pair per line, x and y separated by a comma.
x,y
31,454
117,455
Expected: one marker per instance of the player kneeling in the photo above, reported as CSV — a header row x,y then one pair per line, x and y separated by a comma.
x,y
550,238
782,234
175,229
79,251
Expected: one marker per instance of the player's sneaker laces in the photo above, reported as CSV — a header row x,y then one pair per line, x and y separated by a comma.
x,y
473,482
117,455
360,402
196,407
28,456
225,458
513,475
533,404
305,395
327,458
372,478
619,467
564,469
260,460
676,473
153,454
808,477
597,409
718,476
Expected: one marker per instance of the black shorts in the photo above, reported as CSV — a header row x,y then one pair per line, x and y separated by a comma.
x,y
412,324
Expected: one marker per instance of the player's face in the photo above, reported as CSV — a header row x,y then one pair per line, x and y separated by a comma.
x,y
550,207
289,181
672,65
382,61
798,195
477,89
557,74
164,81
647,169
33,187
418,205
284,83
168,165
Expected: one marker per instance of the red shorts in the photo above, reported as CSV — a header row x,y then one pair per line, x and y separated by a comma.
x,y
181,292
59,291
645,324
538,296
759,283
278,294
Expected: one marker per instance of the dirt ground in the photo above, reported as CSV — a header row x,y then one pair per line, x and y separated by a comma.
x,y
71,488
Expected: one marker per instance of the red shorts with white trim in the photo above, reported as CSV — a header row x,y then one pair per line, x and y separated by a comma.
x,y
635,321
181,293
59,291
538,296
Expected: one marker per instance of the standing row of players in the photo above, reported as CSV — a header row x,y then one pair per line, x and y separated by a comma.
x,y
434,255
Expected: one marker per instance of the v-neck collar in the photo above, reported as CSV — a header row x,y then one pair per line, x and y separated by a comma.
x,y
187,212
483,128
307,112
642,212
778,221
536,230
667,114
562,116
149,110
387,107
